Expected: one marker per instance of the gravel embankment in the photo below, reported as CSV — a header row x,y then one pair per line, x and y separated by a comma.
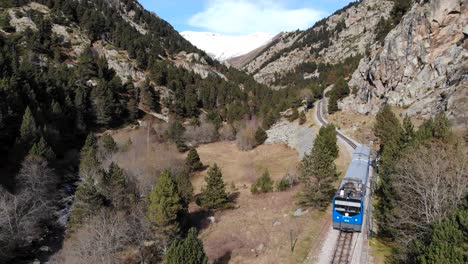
x,y
292,134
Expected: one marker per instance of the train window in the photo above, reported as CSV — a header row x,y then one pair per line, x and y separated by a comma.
x,y
346,207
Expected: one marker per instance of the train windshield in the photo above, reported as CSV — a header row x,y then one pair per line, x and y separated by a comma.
x,y
347,207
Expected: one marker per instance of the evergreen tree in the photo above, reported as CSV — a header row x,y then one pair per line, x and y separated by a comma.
x,y
389,131
185,187
165,204
116,184
89,163
192,161
191,101
446,243
214,195
88,200
29,129
387,127
103,102
318,170
408,133
190,250
42,149
87,67
441,128
149,99
263,185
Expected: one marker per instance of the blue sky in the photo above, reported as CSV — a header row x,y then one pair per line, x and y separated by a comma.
x,y
238,17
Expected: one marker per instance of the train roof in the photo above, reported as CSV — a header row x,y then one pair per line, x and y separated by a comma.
x,y
359,167
355,178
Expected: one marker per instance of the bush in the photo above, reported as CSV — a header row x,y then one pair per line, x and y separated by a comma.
x,y
260,136
263,185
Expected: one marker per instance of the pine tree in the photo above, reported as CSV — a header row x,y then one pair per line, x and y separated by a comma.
x,y
165,204
318,170
441,128
408,131
116,184
103,102
87,201
387,127
29,129
42,149
190,250
263,185
192,161
185,187
389,131
89,163
191,102
446,243
214,195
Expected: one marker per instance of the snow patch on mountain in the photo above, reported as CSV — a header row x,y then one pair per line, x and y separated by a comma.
x,y
223,47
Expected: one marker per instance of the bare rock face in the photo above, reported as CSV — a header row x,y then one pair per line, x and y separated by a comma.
x,y
421,67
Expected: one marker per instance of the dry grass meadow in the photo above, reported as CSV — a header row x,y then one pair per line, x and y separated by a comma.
x,y
262,228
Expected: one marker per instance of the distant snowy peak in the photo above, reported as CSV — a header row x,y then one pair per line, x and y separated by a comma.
x,y
223,47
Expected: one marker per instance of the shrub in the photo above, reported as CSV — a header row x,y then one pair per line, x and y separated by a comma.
x,y
263,185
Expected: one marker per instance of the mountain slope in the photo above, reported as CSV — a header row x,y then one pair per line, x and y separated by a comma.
x,y
348,32
223,47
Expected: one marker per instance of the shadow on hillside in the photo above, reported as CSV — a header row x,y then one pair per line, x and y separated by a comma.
x,y
224,259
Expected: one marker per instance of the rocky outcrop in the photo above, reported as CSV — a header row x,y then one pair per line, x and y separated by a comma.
x,y
421,67
353,31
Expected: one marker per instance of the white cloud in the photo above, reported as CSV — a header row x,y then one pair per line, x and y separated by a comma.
x,y
249,16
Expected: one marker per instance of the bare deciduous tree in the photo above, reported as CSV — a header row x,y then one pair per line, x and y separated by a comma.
x,y
431,182
202,134
36,177
98,241
246,136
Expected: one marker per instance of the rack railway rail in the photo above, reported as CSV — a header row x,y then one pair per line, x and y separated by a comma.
x,y
324,122
343,250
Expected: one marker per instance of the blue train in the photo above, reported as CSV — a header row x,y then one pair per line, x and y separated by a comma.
x,y
348,202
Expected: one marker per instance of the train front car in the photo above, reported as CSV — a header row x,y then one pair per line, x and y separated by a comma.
x,y
348,202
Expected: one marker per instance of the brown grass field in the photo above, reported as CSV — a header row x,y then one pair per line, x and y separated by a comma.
x,y
260,228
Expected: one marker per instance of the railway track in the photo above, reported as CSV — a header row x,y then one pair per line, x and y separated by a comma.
x,y
343,249
320,111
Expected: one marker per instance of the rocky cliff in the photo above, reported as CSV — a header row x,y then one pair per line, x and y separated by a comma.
x,y
421,66
348,32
